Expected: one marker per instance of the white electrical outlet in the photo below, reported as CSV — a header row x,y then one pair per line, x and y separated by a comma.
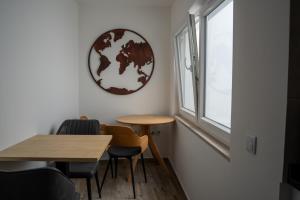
x,y
251,144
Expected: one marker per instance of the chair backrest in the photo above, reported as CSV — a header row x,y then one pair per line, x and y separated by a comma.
x,y
125,136
79,127
36,184
83,117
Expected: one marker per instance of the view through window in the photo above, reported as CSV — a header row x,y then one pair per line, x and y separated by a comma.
x,y
218,65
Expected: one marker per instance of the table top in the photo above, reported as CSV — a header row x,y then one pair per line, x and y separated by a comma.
x,y
66,148
145,119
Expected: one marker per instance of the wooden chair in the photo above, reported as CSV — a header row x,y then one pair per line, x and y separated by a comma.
x,y
125,144
83,117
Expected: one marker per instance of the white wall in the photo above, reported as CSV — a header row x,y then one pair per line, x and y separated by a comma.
x,y
258,107
38,67
153,23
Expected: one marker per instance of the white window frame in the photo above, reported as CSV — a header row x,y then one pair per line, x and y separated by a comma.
x,y
218,131
192,116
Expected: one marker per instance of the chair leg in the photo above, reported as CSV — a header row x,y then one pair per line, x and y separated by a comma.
x,y
105,173
116,166
144,169
98,185
112,169
132,176
88,184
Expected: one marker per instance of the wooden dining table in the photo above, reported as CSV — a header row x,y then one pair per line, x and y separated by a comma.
x,y
145,122
60,148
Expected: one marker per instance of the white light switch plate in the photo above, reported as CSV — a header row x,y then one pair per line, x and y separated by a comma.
x,y
251,144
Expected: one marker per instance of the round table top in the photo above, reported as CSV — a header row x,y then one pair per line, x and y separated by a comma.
x,y
145,119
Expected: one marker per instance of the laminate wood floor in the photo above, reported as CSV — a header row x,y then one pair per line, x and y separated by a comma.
x,y
159,186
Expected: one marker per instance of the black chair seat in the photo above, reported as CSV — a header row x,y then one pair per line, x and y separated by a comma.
x,y
116,151
82,170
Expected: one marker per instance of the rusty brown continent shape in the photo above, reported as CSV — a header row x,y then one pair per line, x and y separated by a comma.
x,y
118,34
104,63
139,53
104,40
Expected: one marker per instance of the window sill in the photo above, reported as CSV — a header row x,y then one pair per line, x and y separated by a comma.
x,y
217,145
188,112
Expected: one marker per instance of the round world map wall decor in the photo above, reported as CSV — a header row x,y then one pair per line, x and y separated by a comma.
x,y
121,61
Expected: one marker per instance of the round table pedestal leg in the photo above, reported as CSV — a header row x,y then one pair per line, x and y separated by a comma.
x,y
154,148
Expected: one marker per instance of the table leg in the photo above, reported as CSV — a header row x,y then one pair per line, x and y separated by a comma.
x,y
154,148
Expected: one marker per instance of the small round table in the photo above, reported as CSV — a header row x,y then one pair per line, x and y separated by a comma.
x,y
145,121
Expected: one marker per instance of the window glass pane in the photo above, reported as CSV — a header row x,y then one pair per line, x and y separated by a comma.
x,y
218,68
185,70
